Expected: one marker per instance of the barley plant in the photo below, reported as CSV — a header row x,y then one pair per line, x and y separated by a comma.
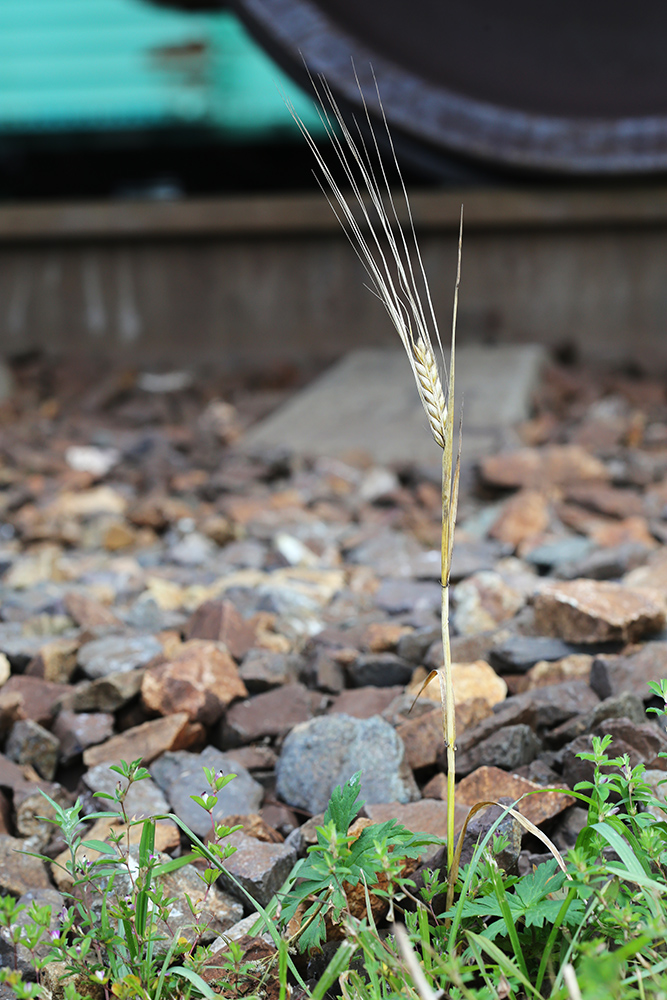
x,y
368,212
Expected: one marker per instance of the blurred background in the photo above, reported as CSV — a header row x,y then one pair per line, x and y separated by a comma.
x,y
157,202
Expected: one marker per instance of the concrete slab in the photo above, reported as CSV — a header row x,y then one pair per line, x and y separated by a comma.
x,y
368,401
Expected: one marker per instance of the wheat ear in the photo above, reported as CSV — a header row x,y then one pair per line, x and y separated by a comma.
x,y
386,253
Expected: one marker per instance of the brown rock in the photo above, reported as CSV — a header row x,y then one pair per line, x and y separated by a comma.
x,y
652,576
606,499
436,788
56,661
148,741
39,697
630,529
256,758
255,826
524,516
471,682
19,872
88,612
487,784
201,681
363,702
423,736
483,601
612,675
536,468
274,713
119,536
426,816
596,611
577,667
382,637
219,621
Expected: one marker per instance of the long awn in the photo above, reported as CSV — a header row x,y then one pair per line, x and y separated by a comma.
x,y
392,260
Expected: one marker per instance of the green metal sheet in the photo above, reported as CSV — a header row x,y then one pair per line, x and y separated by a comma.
x,y
117,64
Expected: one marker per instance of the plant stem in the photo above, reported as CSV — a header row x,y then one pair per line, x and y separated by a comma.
x,y
449,719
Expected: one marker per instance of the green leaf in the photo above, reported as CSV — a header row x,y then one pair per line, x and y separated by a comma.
x,y
99,845
173,866
344,804
197,981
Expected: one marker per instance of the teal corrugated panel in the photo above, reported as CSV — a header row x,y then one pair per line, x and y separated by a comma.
x,y
108,64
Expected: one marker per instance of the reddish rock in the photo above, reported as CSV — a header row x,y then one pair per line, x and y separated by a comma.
x,y
524,516
363,702
606,499
596,611
148,741
274,714
88,612
536,468
436,788
426,816
201,681
630,529
423,736
76,731
487,784
256,758
39,697
219,621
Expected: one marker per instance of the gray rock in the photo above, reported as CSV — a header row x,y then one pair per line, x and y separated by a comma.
x,y
625,705
23,957
540,708
194,549
117,654
510,747
414,645
509,827
518,653
146,616
76,731
398,596
273,713
19,872
389,554
107,694
606,564
614,675
379,670
476,557
143,799
327,751
260,867
553,555
179,774
263,669
30,743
